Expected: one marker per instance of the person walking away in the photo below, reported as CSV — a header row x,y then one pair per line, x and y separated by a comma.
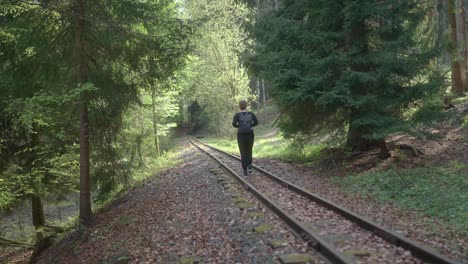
x,y
244,121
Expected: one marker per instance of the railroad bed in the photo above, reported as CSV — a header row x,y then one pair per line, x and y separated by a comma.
x,y
338,235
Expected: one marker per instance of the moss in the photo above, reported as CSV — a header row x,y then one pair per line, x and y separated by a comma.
x,y
256,214
263,228
297,258
244,205
189,260
278,243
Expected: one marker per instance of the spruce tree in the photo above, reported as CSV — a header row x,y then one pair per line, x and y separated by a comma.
x,y
352,65
95,51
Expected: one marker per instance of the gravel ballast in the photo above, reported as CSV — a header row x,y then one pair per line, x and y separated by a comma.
x,y
361,245
189,214
407,222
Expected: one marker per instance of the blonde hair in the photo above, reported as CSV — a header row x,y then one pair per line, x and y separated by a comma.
x,y
242,105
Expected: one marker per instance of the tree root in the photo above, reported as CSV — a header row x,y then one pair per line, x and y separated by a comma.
x,y
4,242
44,237
416,152
54,229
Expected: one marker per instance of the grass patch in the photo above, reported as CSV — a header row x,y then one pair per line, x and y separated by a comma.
x,y
271,147
269,143
152,166
167,160
460,100
228,145
437,191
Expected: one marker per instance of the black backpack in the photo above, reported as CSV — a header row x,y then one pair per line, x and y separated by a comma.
x,y
245,122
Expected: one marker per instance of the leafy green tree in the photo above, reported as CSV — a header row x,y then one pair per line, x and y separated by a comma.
x,y
95,51
120,37
137,137
218,79
354,66
30,112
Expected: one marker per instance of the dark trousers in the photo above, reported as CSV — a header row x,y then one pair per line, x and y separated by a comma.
x,y
245,143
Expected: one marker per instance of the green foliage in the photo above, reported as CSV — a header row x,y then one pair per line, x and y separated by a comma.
x,y
7,194
425,114
427,111
47,170
215,75
352,66
39,96
437,191
271,144
136,140
460,100
198,118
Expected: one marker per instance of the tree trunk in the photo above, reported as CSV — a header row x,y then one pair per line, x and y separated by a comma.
x,y
359,144
464,40
155,123
443,26
81,76
37,211
38,218
85,179
384,152
457,84
264,100
355,141
259,94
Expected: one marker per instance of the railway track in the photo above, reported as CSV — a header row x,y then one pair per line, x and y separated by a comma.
x,y
338,234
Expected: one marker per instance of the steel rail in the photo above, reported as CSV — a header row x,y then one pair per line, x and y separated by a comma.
x,y
419,251
326,250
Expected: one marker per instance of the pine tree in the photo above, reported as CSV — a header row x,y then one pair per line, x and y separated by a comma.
x,y
95,51
352,65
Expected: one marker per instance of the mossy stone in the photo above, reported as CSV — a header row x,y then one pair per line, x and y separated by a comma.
x,y
263,228
278,243
233,195
217,171
244,205
256,214
240,200
227,183
297,258
228,187
189,260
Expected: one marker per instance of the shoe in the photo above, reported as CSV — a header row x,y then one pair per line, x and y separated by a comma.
x,y
245,173
249,169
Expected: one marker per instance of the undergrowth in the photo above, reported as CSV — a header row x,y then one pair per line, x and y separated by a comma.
x,y
152,166
436,191
269,143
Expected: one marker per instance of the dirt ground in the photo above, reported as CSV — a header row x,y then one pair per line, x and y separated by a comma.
x,y
447,144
